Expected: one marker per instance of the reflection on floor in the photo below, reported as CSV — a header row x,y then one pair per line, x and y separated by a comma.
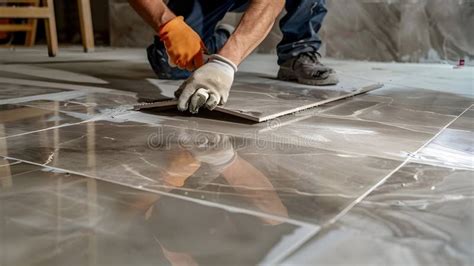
x,y
382,178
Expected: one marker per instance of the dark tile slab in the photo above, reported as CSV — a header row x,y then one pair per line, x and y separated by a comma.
x,y
263,102
422,215
119,74
260,102
39,72
9,91
283,179
17,119
53,218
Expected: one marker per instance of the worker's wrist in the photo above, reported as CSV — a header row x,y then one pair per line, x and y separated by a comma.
x,y
230,54
166,17
222,60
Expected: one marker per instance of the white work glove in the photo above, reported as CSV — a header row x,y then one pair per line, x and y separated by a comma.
x,y
208,86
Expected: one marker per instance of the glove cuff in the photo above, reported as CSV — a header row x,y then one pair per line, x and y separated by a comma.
x,y
164,28
222,59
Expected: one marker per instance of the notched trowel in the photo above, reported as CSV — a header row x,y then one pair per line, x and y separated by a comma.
x,y
204,96
156,104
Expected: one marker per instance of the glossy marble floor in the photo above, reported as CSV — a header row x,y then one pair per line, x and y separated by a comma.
x,y
384,178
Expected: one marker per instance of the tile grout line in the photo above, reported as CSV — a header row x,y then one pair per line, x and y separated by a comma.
x,y
360,198
314,228
53,127
197,201
63,85
407,160
54,96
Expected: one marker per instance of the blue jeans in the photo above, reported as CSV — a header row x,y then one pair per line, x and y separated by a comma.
x,y
300,25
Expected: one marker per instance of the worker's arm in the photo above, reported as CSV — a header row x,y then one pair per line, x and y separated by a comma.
x,y
210,84
154,12
254,26
183,45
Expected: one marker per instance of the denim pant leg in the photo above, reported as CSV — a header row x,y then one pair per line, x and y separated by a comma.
x,y
203,15
300,27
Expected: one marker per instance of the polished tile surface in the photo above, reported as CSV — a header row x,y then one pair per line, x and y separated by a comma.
x,y
277,178
17,119
49,217
454,146
422,215
91,104
87,181
424,110
15,91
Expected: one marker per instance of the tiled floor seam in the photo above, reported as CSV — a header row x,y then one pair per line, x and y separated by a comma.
x,y
47,96
397,125
392,82
263,138
198,201
314,229
405,162
427,163
50,128
64,86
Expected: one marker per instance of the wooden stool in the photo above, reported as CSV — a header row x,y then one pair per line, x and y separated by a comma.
x,y
46,12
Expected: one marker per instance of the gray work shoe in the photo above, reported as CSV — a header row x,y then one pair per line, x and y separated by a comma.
x,y
306,69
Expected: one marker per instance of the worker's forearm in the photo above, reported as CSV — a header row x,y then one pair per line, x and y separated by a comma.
x,y
255,25
154,12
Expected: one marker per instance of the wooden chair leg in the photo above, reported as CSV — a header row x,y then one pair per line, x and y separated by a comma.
x,y
31,34
51,33
85,19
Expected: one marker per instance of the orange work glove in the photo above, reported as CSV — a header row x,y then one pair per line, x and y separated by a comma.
x,y
183,45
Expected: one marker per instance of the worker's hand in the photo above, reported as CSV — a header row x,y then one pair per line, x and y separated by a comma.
x,y
183,45
208,86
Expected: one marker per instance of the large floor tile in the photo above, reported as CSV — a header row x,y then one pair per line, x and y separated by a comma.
x,y
9,91
126,76
89,103
352,136
287,180
453,147
53,218
17,119
464,122
423,110
339,134
422,215
9,168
